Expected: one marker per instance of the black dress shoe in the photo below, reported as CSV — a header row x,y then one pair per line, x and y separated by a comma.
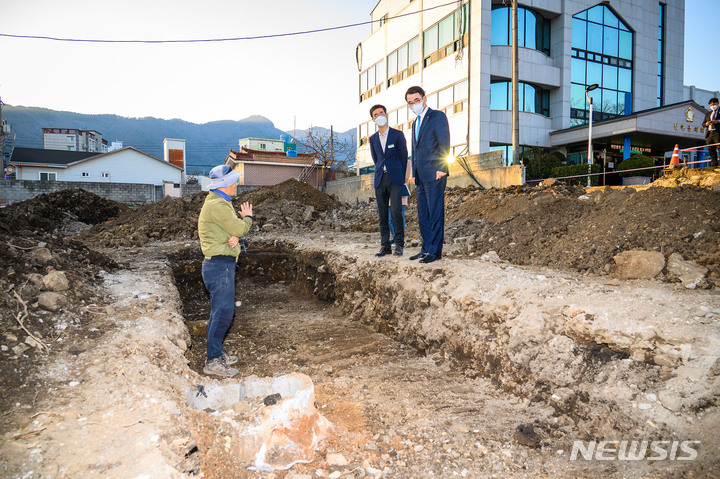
x,y
398,251
383,252
429,258
417,256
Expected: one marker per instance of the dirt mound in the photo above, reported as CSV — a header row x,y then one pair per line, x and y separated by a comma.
x,y
49,211
290,190
48,282
171,219
289,206
558,227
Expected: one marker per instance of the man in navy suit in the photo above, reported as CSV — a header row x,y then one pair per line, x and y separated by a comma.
x,y
389,153
430,148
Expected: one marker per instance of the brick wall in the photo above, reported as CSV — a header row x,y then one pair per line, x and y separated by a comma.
x,y
12,191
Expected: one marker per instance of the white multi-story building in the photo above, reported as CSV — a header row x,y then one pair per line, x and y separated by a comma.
x,y
73,139
461,54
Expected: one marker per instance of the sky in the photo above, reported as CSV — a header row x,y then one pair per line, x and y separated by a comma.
x,y
295,81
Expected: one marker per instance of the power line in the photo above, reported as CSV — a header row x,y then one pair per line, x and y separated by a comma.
x,y
217,40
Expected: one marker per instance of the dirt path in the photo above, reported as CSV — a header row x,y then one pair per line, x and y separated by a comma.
x,y
473,350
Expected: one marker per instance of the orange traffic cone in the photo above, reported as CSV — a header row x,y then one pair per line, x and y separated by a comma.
x,y
675,160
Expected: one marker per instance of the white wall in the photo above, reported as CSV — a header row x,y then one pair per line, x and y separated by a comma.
x,y
123,166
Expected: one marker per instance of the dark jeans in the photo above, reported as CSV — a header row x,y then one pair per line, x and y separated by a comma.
x,y
713,137
219,278
431,214
390,194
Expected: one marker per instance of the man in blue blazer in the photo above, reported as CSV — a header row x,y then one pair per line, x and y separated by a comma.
x,y
430,147
389,153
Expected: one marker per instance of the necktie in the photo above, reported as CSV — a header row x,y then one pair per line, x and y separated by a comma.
x,y
417,128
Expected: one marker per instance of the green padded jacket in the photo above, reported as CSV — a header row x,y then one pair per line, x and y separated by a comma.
x,y
216,223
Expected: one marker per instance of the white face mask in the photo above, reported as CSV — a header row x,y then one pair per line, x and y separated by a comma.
x,y
418,108
714,107
381,120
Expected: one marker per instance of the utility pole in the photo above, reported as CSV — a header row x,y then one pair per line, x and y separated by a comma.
x,y
515,95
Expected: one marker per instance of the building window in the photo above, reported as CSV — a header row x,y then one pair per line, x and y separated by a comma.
x,y
533,29
71,139
507,151
47,176
661,55
403,62
383,20
85,174
452,99
371,80
531,98
445,37
105,174
602,53
263,146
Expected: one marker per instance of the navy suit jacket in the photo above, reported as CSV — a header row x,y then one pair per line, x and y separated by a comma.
x,y
394,158
430,150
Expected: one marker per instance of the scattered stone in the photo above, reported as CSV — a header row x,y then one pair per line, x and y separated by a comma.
x,y
32,343
268,227
20,348
526,435
336,460
51,301
272,399
490,257
55,281
638,264
690,273
670,400
40,255
323,268
435,301
273,437
308,213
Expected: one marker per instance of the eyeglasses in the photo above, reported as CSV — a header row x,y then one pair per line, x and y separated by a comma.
x,y
415,101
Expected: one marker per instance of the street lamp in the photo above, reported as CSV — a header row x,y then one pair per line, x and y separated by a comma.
x,y
589,99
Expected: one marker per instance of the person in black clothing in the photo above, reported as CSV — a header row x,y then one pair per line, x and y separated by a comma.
x,y
712,132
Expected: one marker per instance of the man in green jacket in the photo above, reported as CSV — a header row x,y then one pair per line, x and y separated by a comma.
x,y
220,230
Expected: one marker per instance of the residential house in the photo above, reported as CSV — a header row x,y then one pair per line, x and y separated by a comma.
x,y
259,167
127,165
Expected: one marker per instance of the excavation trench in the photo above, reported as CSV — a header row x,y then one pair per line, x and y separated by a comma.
x,y
384,340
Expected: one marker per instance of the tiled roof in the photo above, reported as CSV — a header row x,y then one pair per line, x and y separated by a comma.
x,y
48,157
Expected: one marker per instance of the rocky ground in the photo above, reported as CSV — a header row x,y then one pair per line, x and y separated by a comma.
x,y
530,334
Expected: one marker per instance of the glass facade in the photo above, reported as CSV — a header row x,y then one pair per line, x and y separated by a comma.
x,y
533,29
371,80
602,53
531,98
444,38
661,55
403,62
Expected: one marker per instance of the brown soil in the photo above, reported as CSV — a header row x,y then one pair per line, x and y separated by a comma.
x,y
470,351
565,228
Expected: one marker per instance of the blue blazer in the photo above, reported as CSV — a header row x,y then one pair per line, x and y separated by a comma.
x,y
394,158
430,150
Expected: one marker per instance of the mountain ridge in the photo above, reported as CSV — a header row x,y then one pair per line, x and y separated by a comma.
x,y
207,144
